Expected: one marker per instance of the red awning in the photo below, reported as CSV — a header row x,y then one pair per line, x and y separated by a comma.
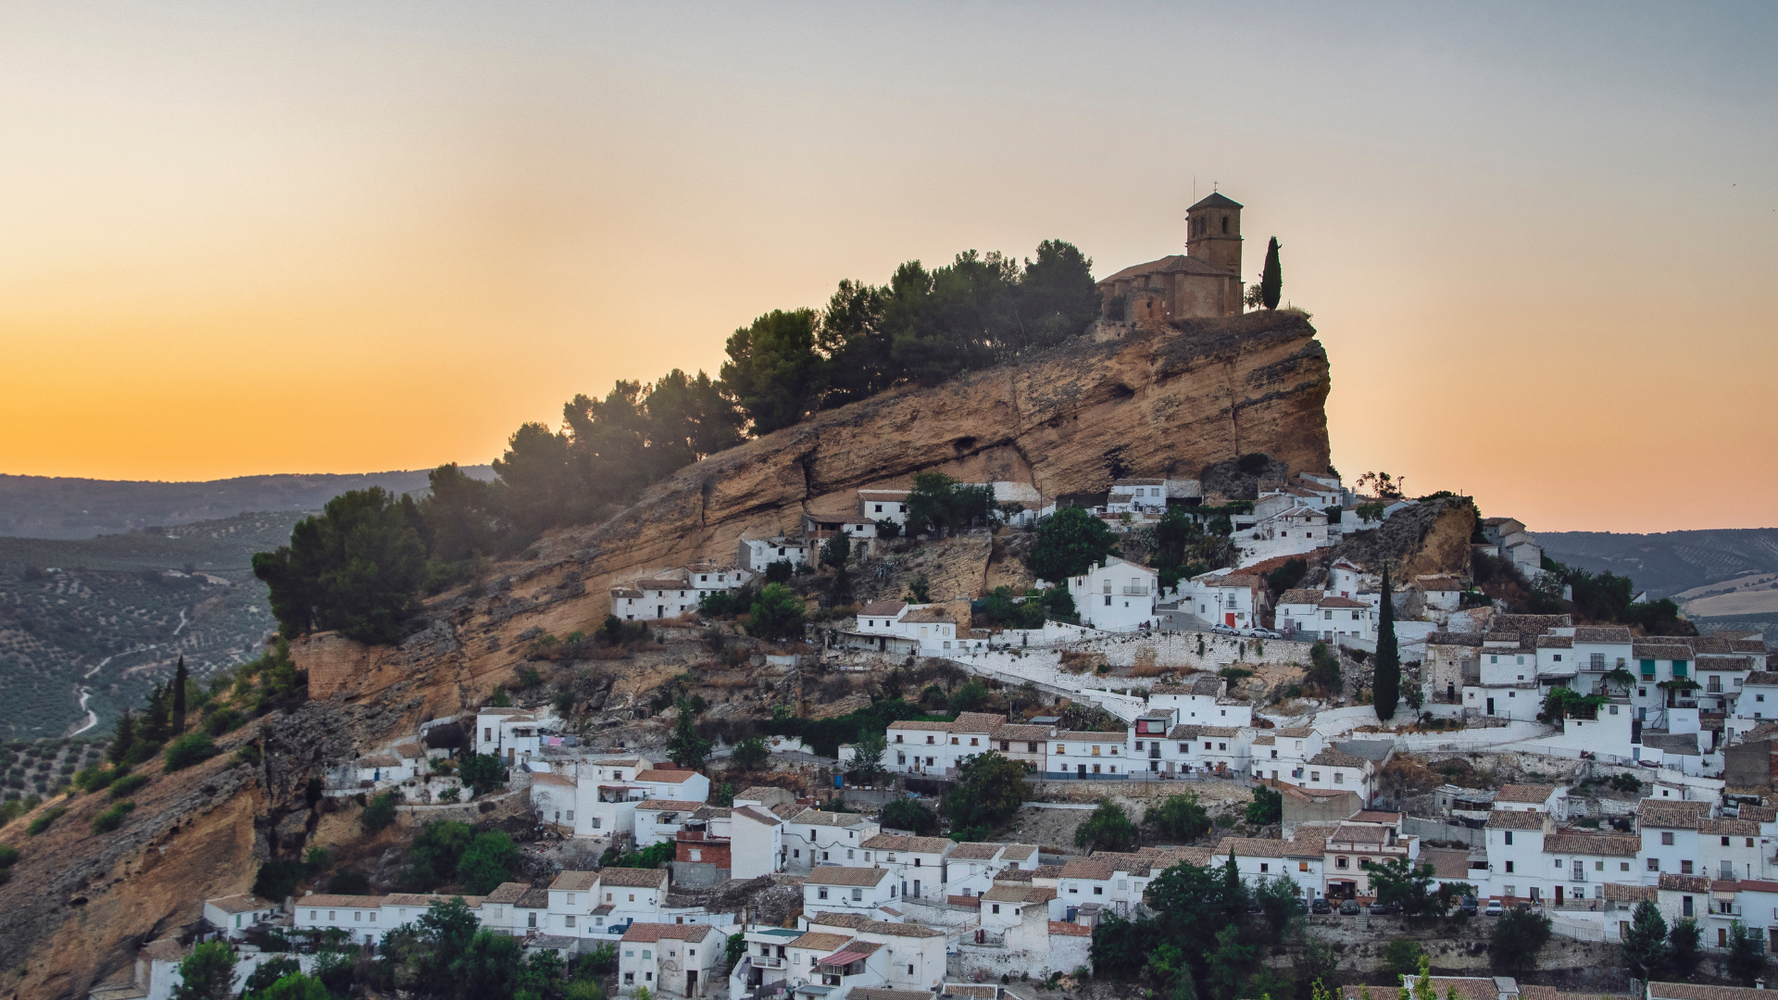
x,y
842,958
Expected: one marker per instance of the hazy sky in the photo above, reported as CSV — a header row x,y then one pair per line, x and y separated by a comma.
x,y
235,237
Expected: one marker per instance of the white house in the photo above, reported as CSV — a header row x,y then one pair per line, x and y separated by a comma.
x,y
514,734
674,960
1085,754
755,554
1116,595
1283,526
355,915
883,505
918,863
814,837
234,914
654,599
756,842
971,867
1224,597
849,890
660,820
1201,698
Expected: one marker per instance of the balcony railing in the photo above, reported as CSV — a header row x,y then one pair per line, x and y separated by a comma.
x,y
1136,591
768,961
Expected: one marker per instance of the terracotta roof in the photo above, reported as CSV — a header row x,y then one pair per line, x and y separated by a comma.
x,y
242,902
1600,844
1065,929
669,805
1657,651
1601,633
1764,678
925,727
165,950
1336,758
1534,794
881,609
1447,864
822,941
914,845
507,892
817,817
1001,892
1760,814
379,760
975,852
841,875
633,878
755,815
667,777
1684,883
1302,595
1627,893
535,898
1748,827
1747,645
1508,819
1554,642
889,929
576,881
663,932
930,614
551,778
1342,602
1258,847
885,993
412,751
1453,639
1087,736
1693,991
1022,732
340,902
1675,815
977,722
1087,868
850,921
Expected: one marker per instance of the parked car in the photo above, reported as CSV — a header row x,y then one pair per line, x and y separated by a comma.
x,y
1379,909
1265,633
1494,908
1223,630
1467,904
1320,906
1350,908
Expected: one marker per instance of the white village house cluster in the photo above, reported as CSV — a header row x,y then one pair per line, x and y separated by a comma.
x,y
886,915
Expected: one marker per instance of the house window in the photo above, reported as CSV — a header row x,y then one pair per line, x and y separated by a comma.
x,y
1654,864
1342,863
821,893
1666,839
1685,868
1509,867
1509,838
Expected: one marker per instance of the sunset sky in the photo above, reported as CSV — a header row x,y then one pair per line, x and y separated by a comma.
x,y
1540,242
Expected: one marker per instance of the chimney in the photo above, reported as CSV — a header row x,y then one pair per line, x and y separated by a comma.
x,y
1759,984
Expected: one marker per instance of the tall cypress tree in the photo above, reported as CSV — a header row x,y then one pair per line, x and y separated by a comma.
x,y
1386,687
1271,280
154,717
179,678
126,735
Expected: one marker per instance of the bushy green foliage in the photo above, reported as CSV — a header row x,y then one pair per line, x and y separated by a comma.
x,y
355,568
113,817
483,772
1402,956
379,814
9,856
1002,609
1746,960
751,752
989,790
1518,936
489,860
939,503
687,747
189,750
44,819
1178,818
207,973
1069,543
1266,808
269,972
773,372
1184,549
127,785
1286,576
824,736
652,856
435,853
1400,882
777,613
970,697
1107,829
1684,947
906,814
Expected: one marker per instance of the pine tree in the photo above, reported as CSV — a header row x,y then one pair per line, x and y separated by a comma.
x,y
1386,686
126,735
1271,280
179,679
154,718
1645,943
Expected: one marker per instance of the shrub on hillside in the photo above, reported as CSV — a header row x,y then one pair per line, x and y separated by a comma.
x,y
379,814
42,822
112,818
123,786
186,751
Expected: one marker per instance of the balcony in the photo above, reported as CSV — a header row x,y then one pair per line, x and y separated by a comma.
x,y
769,961
1136,591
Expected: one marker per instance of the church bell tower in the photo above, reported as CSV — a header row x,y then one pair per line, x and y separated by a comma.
x,y
1213,233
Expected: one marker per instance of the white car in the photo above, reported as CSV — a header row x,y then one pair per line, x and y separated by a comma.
x,y
1264,633
1493,908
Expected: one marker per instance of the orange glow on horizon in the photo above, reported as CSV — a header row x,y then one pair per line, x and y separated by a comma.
x,y
339,239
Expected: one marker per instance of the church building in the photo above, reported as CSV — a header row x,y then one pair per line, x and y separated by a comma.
x,y
1205,281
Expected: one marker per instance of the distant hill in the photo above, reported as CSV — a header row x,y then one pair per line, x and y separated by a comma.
x,y
1670,562
47,507
87,625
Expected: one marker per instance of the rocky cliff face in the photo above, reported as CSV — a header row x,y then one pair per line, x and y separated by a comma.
x,y
1162,404
1158,404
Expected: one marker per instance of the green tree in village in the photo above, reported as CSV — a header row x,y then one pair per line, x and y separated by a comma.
x,y
1069,543
1746,961
1271,278
687,748
208,973
752,752
939,503
777,613
1266,808
1403,883
1107,829
1386,687
868,762
989,790
1518,936
1178,818
1645,943
1684,947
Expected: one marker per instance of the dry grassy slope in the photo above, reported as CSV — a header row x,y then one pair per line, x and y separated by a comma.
x,y
79,904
